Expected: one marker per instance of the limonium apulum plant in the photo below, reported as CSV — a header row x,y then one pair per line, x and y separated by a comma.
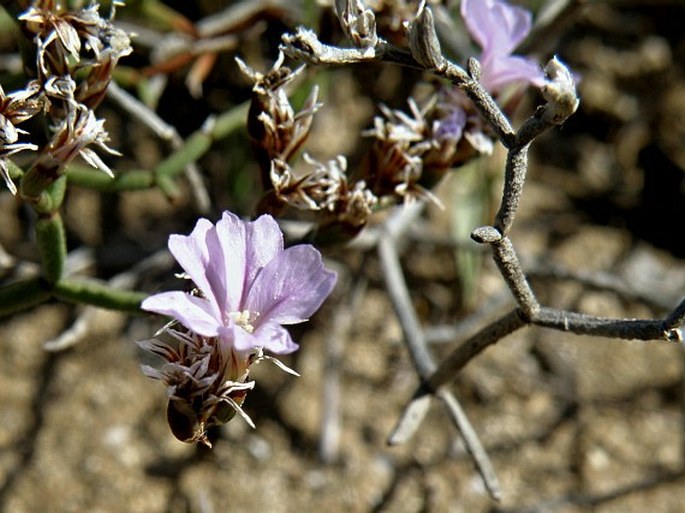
x,y
246,287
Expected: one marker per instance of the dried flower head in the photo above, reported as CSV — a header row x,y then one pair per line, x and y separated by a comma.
x,y
206,384
350,201
318,189
247,288
76,54
401,143
14,109
67,40
342,206
73,136
276,130
358,23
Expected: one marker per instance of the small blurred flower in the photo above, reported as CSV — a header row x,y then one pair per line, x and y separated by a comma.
x,y
451,126
459,123
498,28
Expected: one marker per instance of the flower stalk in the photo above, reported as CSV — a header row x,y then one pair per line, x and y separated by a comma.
x,y
51,246
22,295
96,293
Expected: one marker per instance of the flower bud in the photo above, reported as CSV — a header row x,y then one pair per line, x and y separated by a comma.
x,y
358,23
560,93
423,40
474,69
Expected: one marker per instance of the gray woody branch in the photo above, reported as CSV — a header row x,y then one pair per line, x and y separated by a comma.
x,y
561,102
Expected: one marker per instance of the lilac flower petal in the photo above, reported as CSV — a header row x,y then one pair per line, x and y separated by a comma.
x,y
496,26
275,339
451,127
250,284
264,240
191,253
239,339
480,20
194,313
503,71
291,287
514,25
227,246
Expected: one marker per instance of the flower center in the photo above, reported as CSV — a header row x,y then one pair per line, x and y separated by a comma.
x,y
244,319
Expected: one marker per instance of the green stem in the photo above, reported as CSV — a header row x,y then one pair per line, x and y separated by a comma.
x,y
195,146
169,187
40,177
97,293
52,246
51,198
134,180
16,173
230,121
163,15
22,295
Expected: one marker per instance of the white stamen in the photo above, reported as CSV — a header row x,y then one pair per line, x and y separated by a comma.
x,y
244,319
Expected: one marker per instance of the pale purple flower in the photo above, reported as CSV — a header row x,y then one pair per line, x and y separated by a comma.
x,y
249,286
451,126
498,28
